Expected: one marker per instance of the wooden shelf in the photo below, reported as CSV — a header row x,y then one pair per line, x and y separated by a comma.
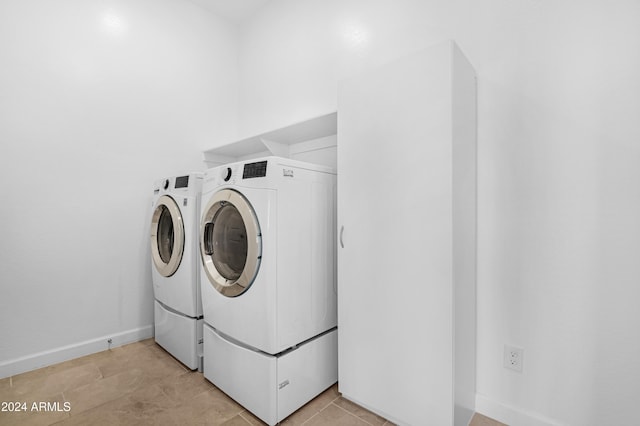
x,y
276,142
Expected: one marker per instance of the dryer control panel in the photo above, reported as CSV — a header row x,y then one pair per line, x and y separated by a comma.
x,y
182,182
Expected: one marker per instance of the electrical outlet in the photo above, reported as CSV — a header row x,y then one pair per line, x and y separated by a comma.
x,y
513,358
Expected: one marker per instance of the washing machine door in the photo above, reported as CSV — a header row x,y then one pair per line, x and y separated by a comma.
x,y
230,242
167,236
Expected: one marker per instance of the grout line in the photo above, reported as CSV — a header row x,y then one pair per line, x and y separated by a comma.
x,y
320,410
166,394
244,418
309,419
315,414
347,411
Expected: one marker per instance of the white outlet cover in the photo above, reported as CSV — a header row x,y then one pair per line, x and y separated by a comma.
x,y
513,358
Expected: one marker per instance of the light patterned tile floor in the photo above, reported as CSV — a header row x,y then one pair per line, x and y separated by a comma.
x,y
140,384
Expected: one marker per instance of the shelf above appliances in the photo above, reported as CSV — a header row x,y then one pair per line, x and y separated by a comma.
x,y
284,142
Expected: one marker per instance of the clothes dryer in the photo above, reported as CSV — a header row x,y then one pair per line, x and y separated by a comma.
x,y
175,271
268,280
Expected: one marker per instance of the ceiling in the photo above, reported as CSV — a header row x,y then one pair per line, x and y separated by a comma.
x,y
232,10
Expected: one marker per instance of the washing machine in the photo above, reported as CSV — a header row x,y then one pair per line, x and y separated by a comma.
x,y
268,281
175,267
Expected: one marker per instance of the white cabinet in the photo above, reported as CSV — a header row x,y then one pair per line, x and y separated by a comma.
x,y
407,231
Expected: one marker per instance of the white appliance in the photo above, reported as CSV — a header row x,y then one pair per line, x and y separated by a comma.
x,y
267,241
175,270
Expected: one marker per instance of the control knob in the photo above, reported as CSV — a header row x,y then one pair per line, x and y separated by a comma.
x,y
226,174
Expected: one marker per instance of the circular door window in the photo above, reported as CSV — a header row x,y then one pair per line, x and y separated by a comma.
x,y
230,243
167,236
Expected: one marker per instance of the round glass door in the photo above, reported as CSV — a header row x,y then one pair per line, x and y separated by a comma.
x,y
230,243
167,236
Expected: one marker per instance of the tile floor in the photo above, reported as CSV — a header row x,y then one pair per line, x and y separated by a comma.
x,y
140,383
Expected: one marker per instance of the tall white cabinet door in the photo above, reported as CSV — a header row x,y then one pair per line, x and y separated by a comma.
x,y
396,202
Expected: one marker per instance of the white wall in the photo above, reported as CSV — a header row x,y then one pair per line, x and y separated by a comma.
x,y
97,100
559,181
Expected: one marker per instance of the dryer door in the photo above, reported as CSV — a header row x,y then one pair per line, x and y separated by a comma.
x,y
230,242
167,236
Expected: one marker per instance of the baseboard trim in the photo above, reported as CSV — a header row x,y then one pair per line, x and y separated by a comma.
x,y
511,415
76,350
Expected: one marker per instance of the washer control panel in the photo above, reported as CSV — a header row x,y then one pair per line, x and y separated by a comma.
x,y
254,170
